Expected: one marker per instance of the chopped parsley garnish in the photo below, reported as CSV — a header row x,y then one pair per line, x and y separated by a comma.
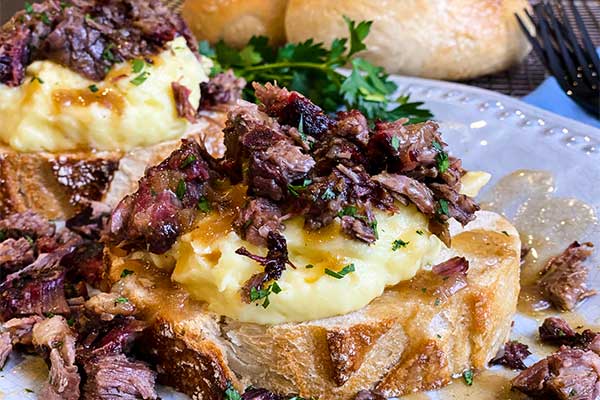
x,y
107,53
296,189
137,65
443,207
398,244
424,290
419,232
188,161
506,233
395,142
349,211
231,393
328,194
93,88
301,128
37,78
442,157
44,18
468,377
122,300
256,294
141,78
29,240
71,321
204,205
342,273
309,266
48,314
437,302
28,390
126,272
28,7
373,226
181,189
312,69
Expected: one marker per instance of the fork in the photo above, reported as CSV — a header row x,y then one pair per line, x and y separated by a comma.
x,y
575,65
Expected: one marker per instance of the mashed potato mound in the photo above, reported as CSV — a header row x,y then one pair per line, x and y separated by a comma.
x,y
56,109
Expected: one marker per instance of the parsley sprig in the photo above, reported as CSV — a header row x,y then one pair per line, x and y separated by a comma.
x,y
258,294
312,69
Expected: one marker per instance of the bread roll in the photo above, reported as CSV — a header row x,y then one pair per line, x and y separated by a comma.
x,y
440,39
236,21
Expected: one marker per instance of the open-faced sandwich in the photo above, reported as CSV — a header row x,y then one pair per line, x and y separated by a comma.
x,y
231,249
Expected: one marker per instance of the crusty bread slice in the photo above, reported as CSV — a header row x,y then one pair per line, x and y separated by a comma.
x,y
409,339
54,185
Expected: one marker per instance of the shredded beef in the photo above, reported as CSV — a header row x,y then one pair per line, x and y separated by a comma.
x,y
563,280
369,395
512,355
115,376
352,125
453,276
14,255
223,88
87,36
460,207
16,331
109,305
567,374
259,394
26,224
164,205
409,189
257,219
274,263
181,94
557,331
91,221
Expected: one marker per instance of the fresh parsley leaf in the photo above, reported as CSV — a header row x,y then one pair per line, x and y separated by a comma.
x,y
44,18
141,78
468,377
181,189
206,49
442,157
122,300
443,207
275,288
28,7
328,194
296,189
231,393
107,53
248,56
204,205
93,88
137,65
395,142
188,161
38,79
348,211
399,243
309,266
29,390
419,232
126,272
340,274
505,233
258,294
358,33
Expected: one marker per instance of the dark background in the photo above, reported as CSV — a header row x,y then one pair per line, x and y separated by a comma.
x,y
517,81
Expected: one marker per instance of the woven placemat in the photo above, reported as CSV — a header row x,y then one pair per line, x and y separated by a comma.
x,y
522,79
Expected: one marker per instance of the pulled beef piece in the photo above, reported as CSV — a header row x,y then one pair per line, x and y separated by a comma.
x,y
181,94
451,267
257,219
223,88
404,188
14,255
362,225
54,337
352,125
369,395
109,305
87,36
557,331
101,337
405,147
512,355
26,223
453,274
460,207
274,264
260,394
567,374
333,151
290,108
114,376
86,263
564,277
36,289
91,221
16,331
164,205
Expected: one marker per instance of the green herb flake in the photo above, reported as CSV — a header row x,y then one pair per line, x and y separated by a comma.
x,y
420,232
107,53
122,300
442,157
437,302
29,240
38,79
395,142
71,321
44,18
443,207
468,377
275,288
181,189
29,390
295,190
438,336
343,272
28,7
93,88
399,244
137,65
48,314
126,272
231,393
141,78
328,194
424,290
505,233
204,205
309,266
188,161
258,294
348,211
572,393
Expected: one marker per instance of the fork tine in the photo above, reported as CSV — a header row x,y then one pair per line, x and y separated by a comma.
x,y
587,42
534,42
579,52
567,56
553,61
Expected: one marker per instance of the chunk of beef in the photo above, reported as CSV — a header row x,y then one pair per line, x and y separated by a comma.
x,y
87,36
567,374
55,337
352,125
5,347
257,219
181,95
164,205
16,331
86,263
557,331
91,221
109,305
27,223
291,108
362,225
115,376
460,207
453,277
563,280
223,88
512,355
405,188
101,337
333,151
14,255
274,264
451,267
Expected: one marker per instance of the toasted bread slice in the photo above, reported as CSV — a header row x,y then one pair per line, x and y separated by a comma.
x,y
411,338
54,185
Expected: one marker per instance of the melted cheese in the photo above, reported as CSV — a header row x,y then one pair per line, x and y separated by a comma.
x,y
55,109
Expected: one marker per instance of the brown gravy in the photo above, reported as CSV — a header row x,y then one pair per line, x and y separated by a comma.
x,y
105,97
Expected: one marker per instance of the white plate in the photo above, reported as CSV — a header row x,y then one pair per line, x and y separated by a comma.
x,y
490,132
